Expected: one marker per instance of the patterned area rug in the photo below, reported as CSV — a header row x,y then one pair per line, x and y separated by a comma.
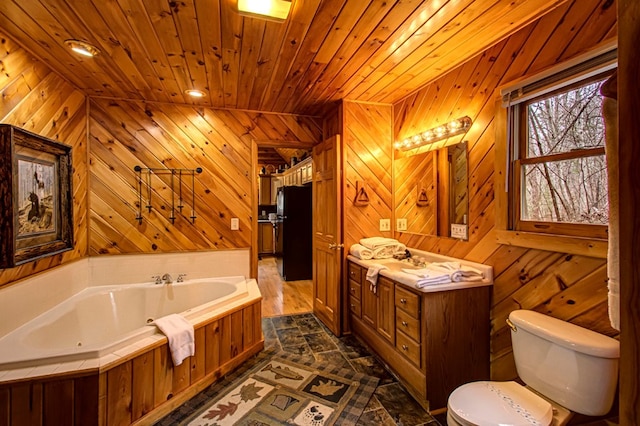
x,y
288,389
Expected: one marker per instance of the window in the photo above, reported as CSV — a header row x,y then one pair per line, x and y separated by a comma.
x,y
557,173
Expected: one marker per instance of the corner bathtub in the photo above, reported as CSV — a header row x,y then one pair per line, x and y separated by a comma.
x,y
96,359
104,319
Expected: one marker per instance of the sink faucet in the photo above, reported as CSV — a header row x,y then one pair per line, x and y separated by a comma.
x,y
167,279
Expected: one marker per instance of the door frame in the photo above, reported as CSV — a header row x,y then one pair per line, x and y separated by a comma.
x,y
255,144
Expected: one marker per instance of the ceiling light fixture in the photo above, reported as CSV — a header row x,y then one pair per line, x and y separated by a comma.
x,y
195,93
276,10
455,127
82,48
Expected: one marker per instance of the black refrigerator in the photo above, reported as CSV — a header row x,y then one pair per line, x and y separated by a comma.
x,y
294,209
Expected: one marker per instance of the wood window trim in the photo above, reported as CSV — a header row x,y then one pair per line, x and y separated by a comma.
x,y
566,244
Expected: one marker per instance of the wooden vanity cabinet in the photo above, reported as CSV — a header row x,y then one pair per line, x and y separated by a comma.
x,y
434,342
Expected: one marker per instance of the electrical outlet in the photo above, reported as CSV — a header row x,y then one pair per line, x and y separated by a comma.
x,y
385,224
401,224
235,223
459,231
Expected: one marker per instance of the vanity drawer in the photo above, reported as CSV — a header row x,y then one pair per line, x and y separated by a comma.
x,y
408,324
355,306
408,348
408,302
355,272
355,289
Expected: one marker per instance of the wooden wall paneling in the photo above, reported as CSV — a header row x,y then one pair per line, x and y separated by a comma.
x,y
26,404
86,400
119,394
142,394
226,339
628,157
197,362
248,337
212,340
38,100
58,402
5,406
181,376
554,283
162,375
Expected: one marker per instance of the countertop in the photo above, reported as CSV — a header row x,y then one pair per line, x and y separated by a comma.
x,y
268,221
394,268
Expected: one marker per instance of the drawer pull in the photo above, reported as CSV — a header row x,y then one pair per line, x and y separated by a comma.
x,y
403,301
405,347
404,324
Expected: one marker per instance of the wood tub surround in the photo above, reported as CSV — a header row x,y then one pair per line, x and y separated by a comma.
x,y
142,387
434,342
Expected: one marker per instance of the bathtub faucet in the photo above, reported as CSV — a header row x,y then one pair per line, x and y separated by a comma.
x,y
167,279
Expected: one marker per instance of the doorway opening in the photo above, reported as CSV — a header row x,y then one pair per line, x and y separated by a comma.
x,y
282,211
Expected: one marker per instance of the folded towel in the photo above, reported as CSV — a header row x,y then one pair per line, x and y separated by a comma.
x,y
438,279
180,335
458,276
384,252
361,252
372,276
375,242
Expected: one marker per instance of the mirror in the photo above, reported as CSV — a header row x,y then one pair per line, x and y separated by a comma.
x,y
431,191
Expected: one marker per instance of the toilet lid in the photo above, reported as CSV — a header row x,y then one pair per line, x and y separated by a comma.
x,y
498,403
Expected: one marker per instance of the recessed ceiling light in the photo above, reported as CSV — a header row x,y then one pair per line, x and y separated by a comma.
x,y
270,9
195,93
82,47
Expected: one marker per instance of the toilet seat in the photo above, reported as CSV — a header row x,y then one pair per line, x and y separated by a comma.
x,y
498,403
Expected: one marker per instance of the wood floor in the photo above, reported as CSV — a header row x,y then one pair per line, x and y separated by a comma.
x,y
282,297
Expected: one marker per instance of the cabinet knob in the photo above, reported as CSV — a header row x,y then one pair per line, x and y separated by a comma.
x,y
404,323
353,290
403,301
405,347
353,306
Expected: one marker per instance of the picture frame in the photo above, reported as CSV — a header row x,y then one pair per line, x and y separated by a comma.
x,y
36,207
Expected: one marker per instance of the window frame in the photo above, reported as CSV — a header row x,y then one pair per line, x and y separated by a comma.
x,y
519,116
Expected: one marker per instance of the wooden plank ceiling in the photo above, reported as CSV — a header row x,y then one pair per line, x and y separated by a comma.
x,y
367,50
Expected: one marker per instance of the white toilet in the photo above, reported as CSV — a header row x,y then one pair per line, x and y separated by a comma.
x,y
566,368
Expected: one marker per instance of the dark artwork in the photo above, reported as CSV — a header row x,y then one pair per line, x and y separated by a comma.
x,y
36,197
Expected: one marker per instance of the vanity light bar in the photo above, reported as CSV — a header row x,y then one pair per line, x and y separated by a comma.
x,y
455,127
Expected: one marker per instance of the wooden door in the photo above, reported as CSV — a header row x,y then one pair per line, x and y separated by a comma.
x,y
386,309
327,232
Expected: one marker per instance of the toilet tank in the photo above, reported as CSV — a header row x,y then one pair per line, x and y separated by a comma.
x,y
573,366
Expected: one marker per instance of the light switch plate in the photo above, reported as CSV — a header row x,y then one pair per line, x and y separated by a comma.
x,y
385,224
401,224
235,223
459,230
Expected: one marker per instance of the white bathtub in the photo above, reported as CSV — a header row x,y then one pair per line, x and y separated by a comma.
x,y
100,320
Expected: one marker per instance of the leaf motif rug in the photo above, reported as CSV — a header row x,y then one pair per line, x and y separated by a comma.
x,y
289,389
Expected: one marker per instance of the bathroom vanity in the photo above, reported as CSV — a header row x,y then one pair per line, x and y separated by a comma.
x,y
434,339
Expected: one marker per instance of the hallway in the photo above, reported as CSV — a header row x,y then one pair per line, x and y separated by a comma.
x,y
282,297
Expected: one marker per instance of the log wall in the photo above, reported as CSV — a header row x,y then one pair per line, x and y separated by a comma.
x,y
36,99
570,287
125,134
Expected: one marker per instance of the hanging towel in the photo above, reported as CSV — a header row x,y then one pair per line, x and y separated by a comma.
x,y
361,252
180,335
372,276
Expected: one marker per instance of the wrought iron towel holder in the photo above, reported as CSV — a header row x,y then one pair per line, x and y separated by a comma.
x,y
174,172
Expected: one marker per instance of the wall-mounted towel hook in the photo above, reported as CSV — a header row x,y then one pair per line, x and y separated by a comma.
x,y
422,200
362,198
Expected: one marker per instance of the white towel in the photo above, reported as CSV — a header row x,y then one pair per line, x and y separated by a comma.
x,y
361,252
437,279
180,335
375,242
372,276
462,275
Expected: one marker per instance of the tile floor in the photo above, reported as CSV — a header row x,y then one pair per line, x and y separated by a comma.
x,y
303,334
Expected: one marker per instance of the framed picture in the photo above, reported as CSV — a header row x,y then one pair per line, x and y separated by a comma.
x,y
36,215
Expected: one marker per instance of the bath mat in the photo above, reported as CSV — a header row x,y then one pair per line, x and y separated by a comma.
x,y
288,389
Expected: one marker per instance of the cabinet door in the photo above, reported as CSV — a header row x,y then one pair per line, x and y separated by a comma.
x,y
264,192
386,309
266,238
369,302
